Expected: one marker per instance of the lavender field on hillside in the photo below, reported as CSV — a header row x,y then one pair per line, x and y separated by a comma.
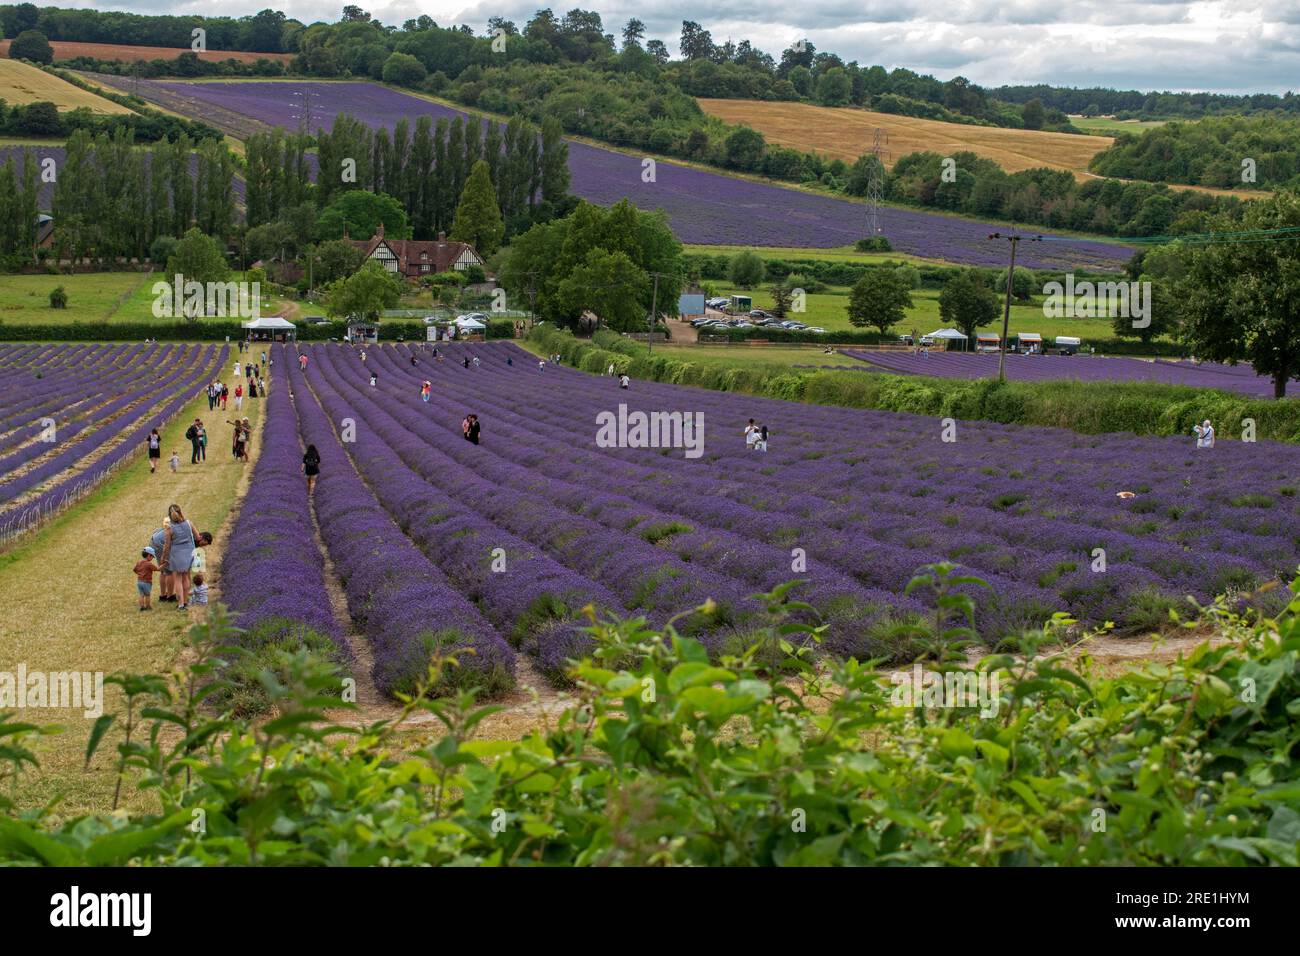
x,y
702,206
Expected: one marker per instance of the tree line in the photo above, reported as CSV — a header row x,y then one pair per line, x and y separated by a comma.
x,y
1045,197
113,199
1223,151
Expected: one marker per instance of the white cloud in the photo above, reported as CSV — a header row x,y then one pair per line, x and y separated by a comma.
x,y
1221,45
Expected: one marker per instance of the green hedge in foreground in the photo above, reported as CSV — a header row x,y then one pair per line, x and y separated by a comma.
x,y
1145,408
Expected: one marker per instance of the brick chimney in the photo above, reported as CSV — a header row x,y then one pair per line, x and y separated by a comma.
x,y
442,237
380,233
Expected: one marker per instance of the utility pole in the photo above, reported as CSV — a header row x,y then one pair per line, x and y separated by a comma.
x,y
654,318
1012,238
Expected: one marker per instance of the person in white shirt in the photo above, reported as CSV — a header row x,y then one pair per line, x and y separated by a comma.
x,y
624,381
751,435
1204,434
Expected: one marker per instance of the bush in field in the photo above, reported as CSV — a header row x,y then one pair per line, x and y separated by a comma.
x,y
746,269
58,298
31,45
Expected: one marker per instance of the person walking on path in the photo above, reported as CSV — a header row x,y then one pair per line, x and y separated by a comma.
x,y
1204,434
225,394
192,436
155,450
203,443
238,368
302,362
212,395
425,388
178,554
239,397
174,462
311,467
470,427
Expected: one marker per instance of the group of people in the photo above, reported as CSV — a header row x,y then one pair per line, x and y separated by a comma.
x,y
755,436
470,428
176,553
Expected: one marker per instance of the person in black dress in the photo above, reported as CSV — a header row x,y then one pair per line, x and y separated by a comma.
x,y
311,467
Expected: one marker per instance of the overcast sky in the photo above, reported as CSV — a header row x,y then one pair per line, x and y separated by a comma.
x,y
1222,45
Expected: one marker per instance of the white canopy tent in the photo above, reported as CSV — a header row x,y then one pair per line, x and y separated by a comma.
x,y
465,324
270,327
949,335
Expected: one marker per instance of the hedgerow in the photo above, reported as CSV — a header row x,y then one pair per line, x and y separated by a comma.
x,y
669,758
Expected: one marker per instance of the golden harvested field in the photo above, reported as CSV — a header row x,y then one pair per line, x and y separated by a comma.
x,y
843,133
70,49
22,84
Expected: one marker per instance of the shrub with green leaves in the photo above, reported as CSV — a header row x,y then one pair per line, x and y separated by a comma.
x,y
768,754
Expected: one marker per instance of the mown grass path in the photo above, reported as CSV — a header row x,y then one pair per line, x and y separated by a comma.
x,y
68,598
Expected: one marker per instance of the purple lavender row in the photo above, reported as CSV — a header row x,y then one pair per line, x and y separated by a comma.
x,y
69,394
802,433
406,605
639,574
272,572
143,398
21,519
534,601
1221,556
69,427
851,609
1045,368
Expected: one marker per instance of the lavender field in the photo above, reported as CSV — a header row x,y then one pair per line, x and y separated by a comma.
x,y
498,546
702,206
1040,368
70,415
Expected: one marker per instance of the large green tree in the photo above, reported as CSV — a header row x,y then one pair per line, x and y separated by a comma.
x,y
966,303
1241,300
478,217
31,45
364,294
360,213
198,258
880,298
610,286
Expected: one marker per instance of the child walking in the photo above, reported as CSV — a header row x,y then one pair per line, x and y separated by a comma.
x,y
174,462
144,571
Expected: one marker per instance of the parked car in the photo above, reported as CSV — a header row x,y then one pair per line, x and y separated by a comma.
x,y
315,319
794,326
717,302
759,314
815,329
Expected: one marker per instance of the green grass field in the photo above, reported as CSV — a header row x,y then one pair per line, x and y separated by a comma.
x,y
829,310
1109,126
97,297
25,299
